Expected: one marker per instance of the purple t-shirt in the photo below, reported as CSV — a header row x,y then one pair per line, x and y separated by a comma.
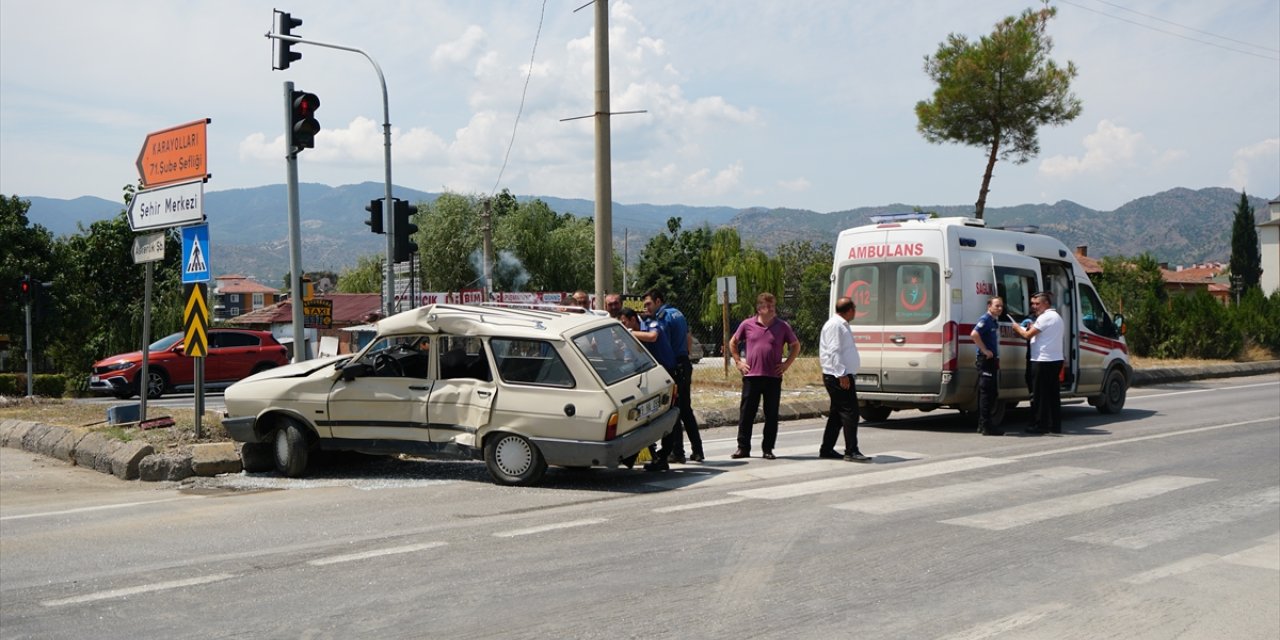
x,y
764,345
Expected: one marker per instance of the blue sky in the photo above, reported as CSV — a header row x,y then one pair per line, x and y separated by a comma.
x,y
749,102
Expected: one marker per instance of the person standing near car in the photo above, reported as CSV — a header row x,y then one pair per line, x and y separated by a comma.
x,y
839,358
765,335
1046,363
986,334
675,328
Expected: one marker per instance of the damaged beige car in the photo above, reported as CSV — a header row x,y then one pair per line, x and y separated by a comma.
x,y
519,388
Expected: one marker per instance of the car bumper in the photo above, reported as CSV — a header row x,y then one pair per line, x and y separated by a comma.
x,y
241,429
110,385
576,453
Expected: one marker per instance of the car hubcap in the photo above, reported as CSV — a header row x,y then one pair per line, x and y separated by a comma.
x,y
282,446
513,456
155,384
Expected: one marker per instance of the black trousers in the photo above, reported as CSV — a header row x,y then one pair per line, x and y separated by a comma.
x,y
684,379
755,388
988,391
842,415
1045,397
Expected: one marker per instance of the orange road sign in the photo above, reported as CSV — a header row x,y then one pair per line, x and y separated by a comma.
x,y
174,154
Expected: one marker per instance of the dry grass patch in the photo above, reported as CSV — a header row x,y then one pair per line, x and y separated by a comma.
x,y
92,417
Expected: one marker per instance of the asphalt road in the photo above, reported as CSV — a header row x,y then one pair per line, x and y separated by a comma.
x,y
212,401
1161,522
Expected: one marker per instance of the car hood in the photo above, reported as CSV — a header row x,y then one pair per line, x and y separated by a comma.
x,y
133,356
297,369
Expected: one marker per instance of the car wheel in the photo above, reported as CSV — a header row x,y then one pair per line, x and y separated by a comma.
x,y
1114,389
291,450
257,457
875,414
513,460
157,382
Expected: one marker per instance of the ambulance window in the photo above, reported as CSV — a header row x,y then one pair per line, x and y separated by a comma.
x,y
861,283
915,292
1016,287
1093,314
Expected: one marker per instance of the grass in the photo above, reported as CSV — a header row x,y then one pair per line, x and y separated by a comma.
x,y
712,389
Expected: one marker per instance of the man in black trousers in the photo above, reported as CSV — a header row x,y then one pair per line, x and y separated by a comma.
x,y
839,358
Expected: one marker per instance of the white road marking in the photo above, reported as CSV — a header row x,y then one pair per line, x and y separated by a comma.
x,y
1263,556
375,553
1167,434
896,474
1006,624
738,472
1215,389
698,505
146,588
549,527
1140,534
1186,565
952,493
102,507
1042,510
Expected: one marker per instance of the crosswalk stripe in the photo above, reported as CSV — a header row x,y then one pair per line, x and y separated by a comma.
x,y
698,505
549,527
1185,565
375,553
872,478
1263,556
1140,534
952,493
1034,512
1006,624
735,472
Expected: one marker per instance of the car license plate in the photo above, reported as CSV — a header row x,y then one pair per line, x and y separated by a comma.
x,y
868,379
648,407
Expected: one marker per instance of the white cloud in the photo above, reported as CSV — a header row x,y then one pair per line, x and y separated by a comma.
x,y
795,184
458,51
1109,146
703,183
1247,160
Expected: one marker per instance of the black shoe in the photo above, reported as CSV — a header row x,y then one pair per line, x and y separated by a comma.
x,y
768,455
657,465
857,457
1032,431
830,454
741,453
676,458
697,457
990,432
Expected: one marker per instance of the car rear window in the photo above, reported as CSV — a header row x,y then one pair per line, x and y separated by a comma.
x,y
614,353
892,293
530,362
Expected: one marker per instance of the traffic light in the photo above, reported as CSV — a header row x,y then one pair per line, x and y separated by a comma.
x,y
302,119
403,245
284,53
25,285
375,215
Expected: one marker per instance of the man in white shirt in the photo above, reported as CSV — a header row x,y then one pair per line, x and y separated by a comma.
x,y
1046,363
839,358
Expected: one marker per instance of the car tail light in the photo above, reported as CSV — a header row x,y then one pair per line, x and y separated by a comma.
x,y
949,347
611,431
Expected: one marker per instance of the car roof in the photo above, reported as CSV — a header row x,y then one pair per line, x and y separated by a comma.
x,y
483,320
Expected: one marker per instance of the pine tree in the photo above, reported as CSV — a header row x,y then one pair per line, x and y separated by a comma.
x,y
1246,258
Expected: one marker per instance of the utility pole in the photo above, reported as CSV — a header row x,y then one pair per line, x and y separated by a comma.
x,y
604,172
486,231
626,258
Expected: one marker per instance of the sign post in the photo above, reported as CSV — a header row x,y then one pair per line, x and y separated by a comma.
x,y
195,330
146,249
727,293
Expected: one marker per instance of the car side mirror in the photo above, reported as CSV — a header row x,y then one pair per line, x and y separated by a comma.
x,y
1119,320
353,370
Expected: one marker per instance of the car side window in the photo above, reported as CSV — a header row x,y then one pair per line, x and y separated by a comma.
x,y
399,357
233,339
463,357
1093,315
530,362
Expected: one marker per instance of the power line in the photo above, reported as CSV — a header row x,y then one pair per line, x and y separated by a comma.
x,y
1183,26
541,15
1177,35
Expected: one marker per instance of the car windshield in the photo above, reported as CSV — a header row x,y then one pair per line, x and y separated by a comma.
x,y
614,353
165,342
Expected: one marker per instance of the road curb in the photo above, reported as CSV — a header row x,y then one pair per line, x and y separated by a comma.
x,y
135,460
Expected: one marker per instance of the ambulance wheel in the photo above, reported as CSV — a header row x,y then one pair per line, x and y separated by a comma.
x,y
1114,388
874,414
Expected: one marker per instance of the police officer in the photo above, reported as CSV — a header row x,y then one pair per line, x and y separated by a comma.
x,y
986,334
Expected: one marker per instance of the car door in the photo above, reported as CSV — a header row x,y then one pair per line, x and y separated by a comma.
x,y
383,404
232,355
463,391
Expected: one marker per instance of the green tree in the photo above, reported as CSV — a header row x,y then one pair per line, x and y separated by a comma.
x,y
1246,257
755,271
364,277
555,251
28,250
997,92
448,237
806,274
673,262
1134,287
1201,327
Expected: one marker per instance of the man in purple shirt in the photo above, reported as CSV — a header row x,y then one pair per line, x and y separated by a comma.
x,y
765,334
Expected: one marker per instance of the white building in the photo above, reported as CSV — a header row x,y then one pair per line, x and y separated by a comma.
x,y
1269,244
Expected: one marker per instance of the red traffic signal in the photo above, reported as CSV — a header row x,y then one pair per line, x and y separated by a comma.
x,y
24,289
302,120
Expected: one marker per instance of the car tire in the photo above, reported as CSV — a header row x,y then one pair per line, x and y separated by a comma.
x,y
257,457
157,383
291,449
1114,389
874,414
513,460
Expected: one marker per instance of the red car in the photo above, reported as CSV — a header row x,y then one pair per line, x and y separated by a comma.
x,y
234,354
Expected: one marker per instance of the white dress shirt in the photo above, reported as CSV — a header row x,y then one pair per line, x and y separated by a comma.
x,y
836,350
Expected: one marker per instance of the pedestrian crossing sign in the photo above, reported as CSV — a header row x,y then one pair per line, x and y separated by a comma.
x,y
195,254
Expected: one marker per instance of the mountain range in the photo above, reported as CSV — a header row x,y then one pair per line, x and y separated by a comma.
x,y
249,231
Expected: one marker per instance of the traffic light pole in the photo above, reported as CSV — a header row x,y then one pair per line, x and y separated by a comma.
x,y
295,230
388,205
30,385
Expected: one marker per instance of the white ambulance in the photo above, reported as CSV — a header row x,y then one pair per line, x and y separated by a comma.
x,y
921,283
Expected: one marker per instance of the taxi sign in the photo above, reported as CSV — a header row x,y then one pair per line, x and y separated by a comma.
x,y
173,155
317,313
